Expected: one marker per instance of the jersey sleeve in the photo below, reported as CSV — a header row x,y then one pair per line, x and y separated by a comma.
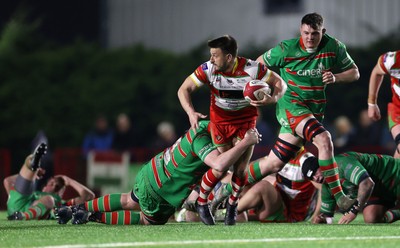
x,y
352,170
328,202
344,61
201,75
386,61
202,146
274,56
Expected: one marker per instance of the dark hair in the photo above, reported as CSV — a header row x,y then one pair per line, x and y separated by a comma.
x,y
226,43
314,20
60,183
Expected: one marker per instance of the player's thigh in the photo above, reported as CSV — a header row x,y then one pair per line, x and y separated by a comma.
x,y
271,200
374,213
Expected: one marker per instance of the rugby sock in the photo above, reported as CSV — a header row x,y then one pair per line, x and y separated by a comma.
x,y
35,212
254,173
237,187
208,182
122,217
391,216
105,203
330,171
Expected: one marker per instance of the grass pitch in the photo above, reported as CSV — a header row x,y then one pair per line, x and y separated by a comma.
x,y
252,234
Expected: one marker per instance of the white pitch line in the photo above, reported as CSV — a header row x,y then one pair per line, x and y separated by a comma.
x,y
231,241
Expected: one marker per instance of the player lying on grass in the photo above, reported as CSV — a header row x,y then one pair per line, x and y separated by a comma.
x,y
25,204
289,196
163,183
371,178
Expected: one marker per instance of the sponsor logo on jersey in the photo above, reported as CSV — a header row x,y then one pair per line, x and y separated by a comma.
x,y
313,73
204,66
229,81
269,54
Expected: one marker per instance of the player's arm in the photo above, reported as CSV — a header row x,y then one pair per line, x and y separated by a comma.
x,y
346,76
375,82
184,94
85,194
222,161
365,188
278,86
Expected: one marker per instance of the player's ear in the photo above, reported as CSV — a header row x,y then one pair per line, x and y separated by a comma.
x,y
323,30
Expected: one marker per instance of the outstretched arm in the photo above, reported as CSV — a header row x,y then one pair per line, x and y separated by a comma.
x,y
85,194
375,82
222,161
184,92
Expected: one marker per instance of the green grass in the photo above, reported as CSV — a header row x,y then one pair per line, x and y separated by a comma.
x,y
252,234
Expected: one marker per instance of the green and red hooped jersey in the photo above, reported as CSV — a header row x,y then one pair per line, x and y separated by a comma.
x,y
302,71
174,172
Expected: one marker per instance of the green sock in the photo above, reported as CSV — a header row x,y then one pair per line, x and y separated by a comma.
x,y
391,216
254,173
35,212
330,171
105,203
122,217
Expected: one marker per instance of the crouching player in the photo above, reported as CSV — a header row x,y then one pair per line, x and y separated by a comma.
x,y
163,183
370,178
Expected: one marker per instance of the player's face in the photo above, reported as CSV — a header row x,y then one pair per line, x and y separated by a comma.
x,y
50,186
219,59
311,37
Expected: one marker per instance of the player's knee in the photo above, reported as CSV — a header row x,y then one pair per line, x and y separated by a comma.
x,y
323,141
284,151
48,201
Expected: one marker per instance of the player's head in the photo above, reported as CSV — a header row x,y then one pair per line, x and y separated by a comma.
x,y
312,30
223,51
310,167
54,185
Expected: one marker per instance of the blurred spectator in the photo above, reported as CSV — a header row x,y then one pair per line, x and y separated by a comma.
x,y
368,132
124,138
100,138
344,134
166,135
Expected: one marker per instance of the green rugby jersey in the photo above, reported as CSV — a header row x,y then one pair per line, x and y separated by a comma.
x,y
174,172
355,167
302,71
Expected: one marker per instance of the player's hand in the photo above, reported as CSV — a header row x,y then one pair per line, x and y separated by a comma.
x,y
65,178
328,77
321,219
267,99
40,173
253,136
194,118
347,218
374,112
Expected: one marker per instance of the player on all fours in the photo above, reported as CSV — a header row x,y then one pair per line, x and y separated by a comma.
x,y
25,204
230,113
163,183
388,63
308,64
374,180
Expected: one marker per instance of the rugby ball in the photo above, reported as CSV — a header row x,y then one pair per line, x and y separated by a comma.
x,y
255,90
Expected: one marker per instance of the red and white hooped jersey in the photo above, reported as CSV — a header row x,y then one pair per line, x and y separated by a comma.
x,y
296,191
390,64
228,105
